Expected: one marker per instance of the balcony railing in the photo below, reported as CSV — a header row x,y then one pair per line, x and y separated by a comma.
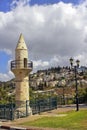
x,y
18,64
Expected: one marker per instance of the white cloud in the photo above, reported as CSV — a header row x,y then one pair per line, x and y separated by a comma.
x,y
40,64
54,61
82,58
16,3
53,33
6,77
7,51
9,75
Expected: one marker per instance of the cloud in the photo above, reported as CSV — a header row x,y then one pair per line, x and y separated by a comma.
x,y
6,76
16,3
7,51
9,75
40,63
53,33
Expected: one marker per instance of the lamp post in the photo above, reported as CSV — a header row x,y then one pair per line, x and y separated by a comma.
x,y
76,84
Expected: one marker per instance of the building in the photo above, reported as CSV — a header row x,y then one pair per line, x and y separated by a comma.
x,y
21,69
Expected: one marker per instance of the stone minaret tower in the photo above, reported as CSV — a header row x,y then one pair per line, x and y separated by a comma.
x,y
21,69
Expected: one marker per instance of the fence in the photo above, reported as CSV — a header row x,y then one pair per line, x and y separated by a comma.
x,y
8,111
43,105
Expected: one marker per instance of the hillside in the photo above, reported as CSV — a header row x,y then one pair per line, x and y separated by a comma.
x,y
59,79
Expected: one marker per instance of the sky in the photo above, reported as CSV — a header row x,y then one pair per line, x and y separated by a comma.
x,y
54,31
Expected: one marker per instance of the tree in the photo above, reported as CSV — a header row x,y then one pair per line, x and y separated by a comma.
x,y
82,95
3,95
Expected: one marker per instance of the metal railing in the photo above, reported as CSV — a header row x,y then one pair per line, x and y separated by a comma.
x,y
17,64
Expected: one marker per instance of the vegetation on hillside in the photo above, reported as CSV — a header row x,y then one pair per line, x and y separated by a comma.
x,y
6,93
65,85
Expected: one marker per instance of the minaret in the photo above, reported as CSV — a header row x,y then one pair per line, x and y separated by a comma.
x,y
21,69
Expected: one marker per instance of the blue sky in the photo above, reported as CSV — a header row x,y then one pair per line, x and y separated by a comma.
x,y
52,1
5,4
6,18
4,58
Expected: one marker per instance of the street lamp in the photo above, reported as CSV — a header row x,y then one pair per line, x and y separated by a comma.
x,y
76,85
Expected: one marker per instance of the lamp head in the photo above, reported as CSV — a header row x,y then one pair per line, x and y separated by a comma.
x,y
71,61
77,62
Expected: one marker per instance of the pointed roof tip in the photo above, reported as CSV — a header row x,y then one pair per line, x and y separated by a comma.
x,y
21,43
21,34
21,38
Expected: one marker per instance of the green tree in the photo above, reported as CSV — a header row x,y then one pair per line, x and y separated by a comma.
x,y
3,95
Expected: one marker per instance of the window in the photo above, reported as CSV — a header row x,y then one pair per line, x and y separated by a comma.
x,y
25,62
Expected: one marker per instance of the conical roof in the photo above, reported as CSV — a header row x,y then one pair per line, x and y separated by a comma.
x,y
21,43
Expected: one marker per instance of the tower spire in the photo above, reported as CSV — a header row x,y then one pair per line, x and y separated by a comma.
x,y
21,43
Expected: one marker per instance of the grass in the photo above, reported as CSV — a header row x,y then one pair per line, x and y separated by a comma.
x,y
73,121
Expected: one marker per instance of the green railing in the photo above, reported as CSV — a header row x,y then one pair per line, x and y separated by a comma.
x,y
10,112
7,111
42,105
